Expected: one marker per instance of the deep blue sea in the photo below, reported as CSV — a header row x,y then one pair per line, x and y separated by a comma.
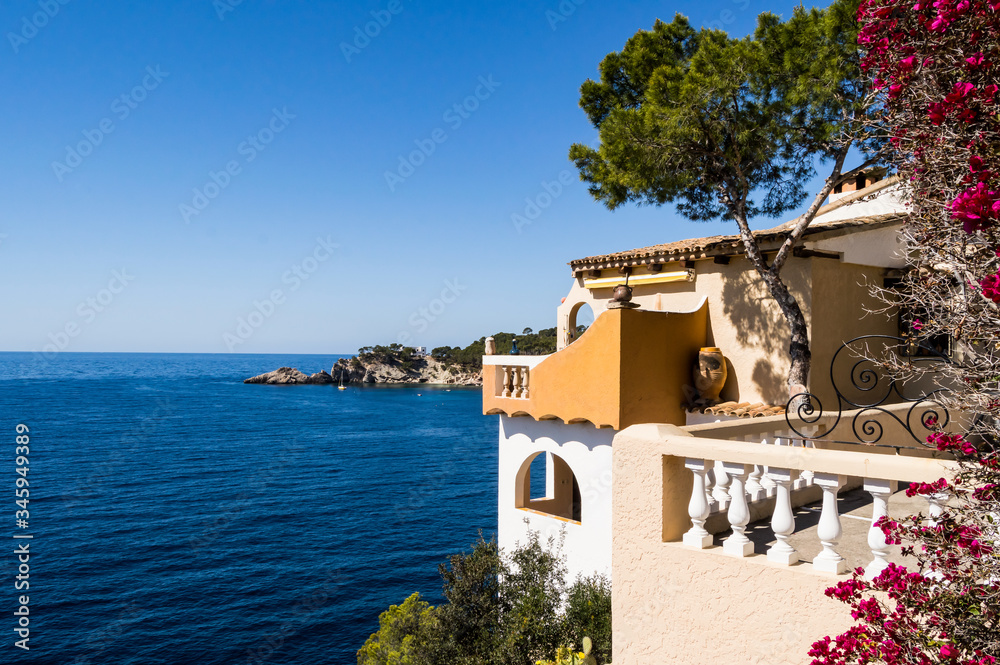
x,y
180,516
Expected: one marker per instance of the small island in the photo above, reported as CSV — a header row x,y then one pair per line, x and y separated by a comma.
x,y
395,363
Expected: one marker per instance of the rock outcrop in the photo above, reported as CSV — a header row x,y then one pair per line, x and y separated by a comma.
x,y
285,376
423,369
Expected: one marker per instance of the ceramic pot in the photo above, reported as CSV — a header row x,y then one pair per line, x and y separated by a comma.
x,y
710,374
622,293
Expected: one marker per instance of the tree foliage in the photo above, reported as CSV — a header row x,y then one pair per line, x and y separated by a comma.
x,y
729,128
530,344
510,608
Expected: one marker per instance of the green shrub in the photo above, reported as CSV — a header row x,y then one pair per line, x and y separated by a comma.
x,y
501,609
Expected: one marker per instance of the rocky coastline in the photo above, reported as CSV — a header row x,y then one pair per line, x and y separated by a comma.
x,y
421,369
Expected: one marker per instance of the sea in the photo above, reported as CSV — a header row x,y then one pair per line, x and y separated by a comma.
x,y
179,516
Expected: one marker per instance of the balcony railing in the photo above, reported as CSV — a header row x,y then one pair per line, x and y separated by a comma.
x,y
744,471
512,376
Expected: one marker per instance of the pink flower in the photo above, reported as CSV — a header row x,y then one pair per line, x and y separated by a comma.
x,y
991,287
948,651
959,92
907,64
976,208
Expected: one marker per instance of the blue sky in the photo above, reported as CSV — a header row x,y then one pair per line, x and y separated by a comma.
x,y
176,173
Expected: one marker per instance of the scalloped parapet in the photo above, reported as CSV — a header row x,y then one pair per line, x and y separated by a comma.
x,y
631,366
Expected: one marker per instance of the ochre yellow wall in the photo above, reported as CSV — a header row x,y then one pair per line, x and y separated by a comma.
x,y
631,366
843,288
747,324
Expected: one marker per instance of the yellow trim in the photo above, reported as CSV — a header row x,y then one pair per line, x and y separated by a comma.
x,y
636,280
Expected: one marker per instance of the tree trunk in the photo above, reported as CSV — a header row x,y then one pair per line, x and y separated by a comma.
x,y
798,348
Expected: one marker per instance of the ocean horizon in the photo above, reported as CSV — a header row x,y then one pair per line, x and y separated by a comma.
x,y
178,515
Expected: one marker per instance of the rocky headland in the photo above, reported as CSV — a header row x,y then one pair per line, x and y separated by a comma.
x,y
420,369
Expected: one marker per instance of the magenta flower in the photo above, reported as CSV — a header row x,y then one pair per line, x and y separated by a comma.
x,y
991,287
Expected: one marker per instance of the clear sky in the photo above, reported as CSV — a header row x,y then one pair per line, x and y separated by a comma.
x,y
172,167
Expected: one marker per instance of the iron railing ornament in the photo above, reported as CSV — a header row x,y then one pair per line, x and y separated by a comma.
x,y
871,391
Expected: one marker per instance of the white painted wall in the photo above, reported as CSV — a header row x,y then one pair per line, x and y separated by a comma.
x,y
587,451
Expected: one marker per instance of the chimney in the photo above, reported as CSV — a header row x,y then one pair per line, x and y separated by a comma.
x,y
864,179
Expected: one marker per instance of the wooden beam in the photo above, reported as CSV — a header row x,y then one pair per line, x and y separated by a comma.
x,y
593,273
655,267
721,260
687,264
804,253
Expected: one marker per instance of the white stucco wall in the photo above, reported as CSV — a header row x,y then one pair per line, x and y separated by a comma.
x,y
587,450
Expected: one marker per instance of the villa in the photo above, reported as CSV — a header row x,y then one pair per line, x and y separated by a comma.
x,y
717,520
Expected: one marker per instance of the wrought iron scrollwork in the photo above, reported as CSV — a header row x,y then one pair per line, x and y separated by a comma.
x,y
872,390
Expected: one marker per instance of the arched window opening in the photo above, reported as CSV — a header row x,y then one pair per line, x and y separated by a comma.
x,y
546,484
581,317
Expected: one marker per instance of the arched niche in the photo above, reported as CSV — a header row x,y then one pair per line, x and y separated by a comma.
x,y
561,497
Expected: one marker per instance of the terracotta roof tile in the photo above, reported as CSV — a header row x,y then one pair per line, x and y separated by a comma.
x,y
740,409
730,245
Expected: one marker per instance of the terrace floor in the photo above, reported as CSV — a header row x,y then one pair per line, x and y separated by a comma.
x,y
855,507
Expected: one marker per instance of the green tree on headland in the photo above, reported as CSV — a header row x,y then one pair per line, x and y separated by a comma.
x,y
730,128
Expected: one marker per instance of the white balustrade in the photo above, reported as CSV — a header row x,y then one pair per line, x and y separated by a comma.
x,y
739,512
829,530
935,506
783,519
515,381
698,508
755,490
720,491
880,490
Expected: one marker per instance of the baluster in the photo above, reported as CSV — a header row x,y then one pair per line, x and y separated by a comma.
x,y
880,490
829,529
754,488
713,505
719,491
698,508
506,381
782,520
765,482
515,376
807,476
935,506
739,513
524,382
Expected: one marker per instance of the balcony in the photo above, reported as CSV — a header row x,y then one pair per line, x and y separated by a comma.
x,y
742,525
631,366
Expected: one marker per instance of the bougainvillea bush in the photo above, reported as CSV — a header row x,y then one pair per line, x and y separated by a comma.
x,y
934,66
